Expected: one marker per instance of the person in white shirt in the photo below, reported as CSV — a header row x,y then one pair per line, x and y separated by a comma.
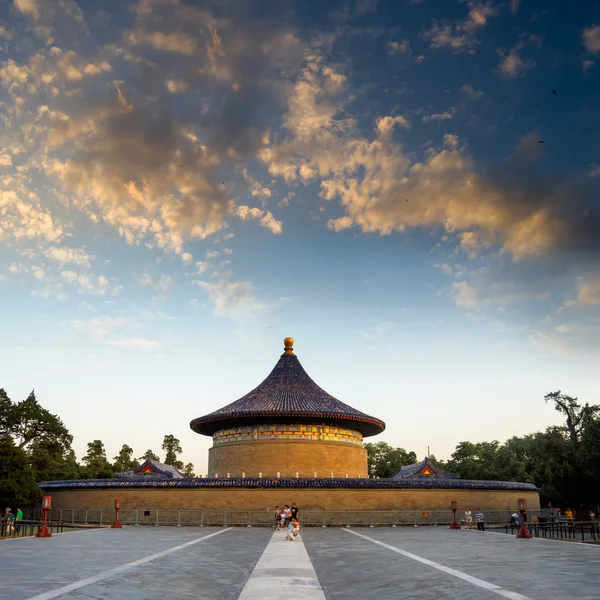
x,y
469,518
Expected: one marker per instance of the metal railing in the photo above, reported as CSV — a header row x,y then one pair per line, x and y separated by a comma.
x,y
586,531
265,518
27,528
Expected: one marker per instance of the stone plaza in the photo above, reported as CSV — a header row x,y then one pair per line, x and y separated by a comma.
x,y
426,563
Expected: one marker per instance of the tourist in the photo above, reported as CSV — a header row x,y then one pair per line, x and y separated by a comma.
x,y
569,514
290,532
10,519
294,511
469,518
277,516
296,527
514,519
479,517
18,520
288,513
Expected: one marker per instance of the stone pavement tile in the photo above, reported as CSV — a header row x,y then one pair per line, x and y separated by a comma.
x,y
31,567
351,568
539,569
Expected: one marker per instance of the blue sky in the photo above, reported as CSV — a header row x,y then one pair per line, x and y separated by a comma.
x,y
183,184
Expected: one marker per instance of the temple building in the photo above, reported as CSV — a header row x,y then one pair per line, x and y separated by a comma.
x,y
287,427
286,441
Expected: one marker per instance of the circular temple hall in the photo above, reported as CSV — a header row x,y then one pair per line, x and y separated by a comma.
x,y
287,427
288,440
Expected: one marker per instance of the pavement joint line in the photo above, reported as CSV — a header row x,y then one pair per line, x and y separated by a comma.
x,y
65,589
270,581
486,585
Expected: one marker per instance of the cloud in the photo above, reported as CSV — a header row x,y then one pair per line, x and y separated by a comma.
x,y
233,299
471,92
402,47
591,39
265,218
444,116
128,154
161,283
514,6
64,255
588,293
115,331
512,64
89,284
465,295
382,189
563,328
461,36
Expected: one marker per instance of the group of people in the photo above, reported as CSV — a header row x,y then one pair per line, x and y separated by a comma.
x,y
287,518
12,520
479,517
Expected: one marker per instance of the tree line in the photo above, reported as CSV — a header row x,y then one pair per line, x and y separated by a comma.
x,y
563,461
35,446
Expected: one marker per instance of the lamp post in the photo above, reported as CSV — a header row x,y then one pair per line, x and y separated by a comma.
x,y
117,524
454,506
523,533
46,506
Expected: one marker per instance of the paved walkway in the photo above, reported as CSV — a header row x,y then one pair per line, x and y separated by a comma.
x,y
148,563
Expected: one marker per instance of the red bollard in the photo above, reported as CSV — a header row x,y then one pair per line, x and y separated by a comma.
x,y
523,532
116,524
46,506
454,525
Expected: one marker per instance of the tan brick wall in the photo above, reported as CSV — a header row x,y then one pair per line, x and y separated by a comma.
x,y
287,458
261,499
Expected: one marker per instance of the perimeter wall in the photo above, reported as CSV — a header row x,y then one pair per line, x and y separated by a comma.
x,y
308,499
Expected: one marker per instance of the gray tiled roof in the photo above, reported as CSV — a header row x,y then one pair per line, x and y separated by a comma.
x,y
160,469
288,395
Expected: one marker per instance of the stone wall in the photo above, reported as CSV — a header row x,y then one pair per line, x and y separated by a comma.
x,y
288,458
262,499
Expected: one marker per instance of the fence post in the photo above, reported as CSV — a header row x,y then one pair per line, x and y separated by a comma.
x,y
249,519
348,520
393,518
137,523
371,519
224,518
156,523
178,518
101,517
323,526
86,516
415,516
201,518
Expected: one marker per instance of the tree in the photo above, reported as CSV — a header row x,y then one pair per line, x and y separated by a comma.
x,y
50,461
384,460
577,417
188,470
97,467
124,461
17,480
172,447
27,421
149,455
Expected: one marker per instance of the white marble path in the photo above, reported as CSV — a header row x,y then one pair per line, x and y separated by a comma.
x,y
283,571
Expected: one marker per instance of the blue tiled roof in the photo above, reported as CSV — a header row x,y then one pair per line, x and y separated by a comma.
x,y
163,471
288,395
385,484
411,471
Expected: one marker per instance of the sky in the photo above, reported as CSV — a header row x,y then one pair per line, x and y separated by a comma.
x,y
409,188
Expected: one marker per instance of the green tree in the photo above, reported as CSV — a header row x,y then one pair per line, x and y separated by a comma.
x,y
188,470
149,454
17,479
50,461
384,460
27,421
124,461
97,466
576,416
172,447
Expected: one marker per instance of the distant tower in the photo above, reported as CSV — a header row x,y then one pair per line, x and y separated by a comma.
x,y
288,424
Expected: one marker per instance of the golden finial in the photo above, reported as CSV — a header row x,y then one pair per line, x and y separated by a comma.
x,y
289,345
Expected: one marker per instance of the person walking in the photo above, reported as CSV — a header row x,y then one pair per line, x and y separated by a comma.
x,y
287,513
277,517
469,518
18,520
294,511
10,520
479,517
